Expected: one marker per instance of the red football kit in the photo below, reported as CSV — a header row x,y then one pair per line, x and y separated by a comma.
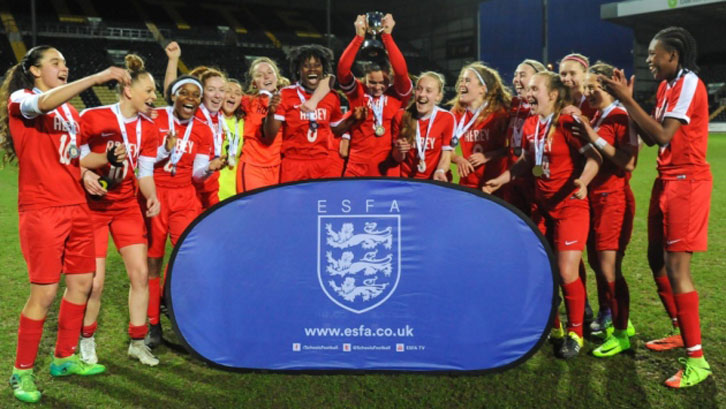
x,y
208,190
56,235
260,162
558,161
305,136
433,136
681,196
612,221
519,192
118,210
173,178
482,135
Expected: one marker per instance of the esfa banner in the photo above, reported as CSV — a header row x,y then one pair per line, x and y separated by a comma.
x,y
373,274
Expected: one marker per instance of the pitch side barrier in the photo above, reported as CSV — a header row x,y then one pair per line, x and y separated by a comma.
x,y
362,275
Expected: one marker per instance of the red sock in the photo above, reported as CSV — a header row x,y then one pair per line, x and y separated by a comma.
x,y
87,331
575,302
689,322
70,321
137,331
621,302
665,292
154,300
29,333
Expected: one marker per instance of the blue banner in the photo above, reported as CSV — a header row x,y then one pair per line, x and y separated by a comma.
x,y
373,274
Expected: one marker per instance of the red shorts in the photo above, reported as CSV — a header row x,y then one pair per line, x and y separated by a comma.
x,y
292,170
179,207
126,227
612,219
336,165
56,240
678,214
208,199
566,226
253,177
379,165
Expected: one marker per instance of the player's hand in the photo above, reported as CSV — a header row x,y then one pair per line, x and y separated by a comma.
x,y
308,106
581,192
402,145
153,206
463,166
571,110
492,185
217,163
90,183
273,104
361,25
344,148
170,141
112,74
117,155
173,51
388,23
477,159
618,85
360,113
440,175
581,128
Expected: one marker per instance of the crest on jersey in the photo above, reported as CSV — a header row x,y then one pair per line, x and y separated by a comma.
x,y
359,259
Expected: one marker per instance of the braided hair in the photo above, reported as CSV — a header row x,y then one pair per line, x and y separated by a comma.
x,y
678,39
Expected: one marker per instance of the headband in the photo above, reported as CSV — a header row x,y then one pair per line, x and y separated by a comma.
x,y
178,85
577,59
532,65
481,80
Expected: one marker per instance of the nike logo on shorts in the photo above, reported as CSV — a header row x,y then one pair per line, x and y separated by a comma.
x,y
569,243
670,242
107,134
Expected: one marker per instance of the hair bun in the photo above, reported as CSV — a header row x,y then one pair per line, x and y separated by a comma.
x,y
134,63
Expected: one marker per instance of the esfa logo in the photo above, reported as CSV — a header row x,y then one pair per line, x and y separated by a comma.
x,y
359,259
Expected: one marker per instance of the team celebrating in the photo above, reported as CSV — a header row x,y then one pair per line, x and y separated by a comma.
x,y
561,149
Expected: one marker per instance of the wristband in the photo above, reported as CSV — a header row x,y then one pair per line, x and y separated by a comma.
x,y
440,170
601,143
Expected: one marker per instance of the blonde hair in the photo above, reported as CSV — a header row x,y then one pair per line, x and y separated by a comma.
x,y
410,116
135,67
204,73
252,87
497,97
583,61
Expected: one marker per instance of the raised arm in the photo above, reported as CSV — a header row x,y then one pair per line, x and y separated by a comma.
x,y
173,53
401,82
345,64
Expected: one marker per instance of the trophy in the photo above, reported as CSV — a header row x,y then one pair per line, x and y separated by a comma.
x,y
372,49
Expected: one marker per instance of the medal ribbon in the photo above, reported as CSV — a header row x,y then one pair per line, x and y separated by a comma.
x,y
421,142
216,133
539,143
122,127
179,148
461,129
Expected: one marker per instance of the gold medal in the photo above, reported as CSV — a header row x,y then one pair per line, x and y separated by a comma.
x,y
537,171
380,130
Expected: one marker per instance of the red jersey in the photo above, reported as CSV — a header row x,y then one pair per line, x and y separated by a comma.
x,y
484,135
615,130
562,159
47,174
585,107
364,143
254,151
301,139
436,139
100,130
686,100
217,131
198,142
518,113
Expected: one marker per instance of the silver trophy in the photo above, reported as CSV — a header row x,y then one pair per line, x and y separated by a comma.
x,y
372,49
